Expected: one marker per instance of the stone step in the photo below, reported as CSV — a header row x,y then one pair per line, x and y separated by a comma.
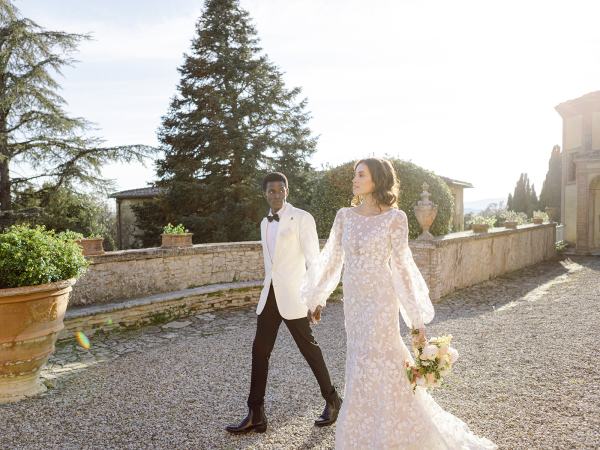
x,y
159,308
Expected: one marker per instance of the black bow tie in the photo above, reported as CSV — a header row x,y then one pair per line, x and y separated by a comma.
x,y
273,217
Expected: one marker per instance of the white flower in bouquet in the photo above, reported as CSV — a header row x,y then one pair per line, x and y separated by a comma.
x,y
443,349
453,353
430,352
444,360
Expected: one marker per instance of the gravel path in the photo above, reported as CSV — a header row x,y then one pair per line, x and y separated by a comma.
x,y
528,375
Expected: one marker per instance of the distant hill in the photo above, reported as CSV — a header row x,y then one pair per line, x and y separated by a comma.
x,y
479,205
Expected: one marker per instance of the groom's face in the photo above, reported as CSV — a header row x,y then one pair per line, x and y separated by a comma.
x,y
276,194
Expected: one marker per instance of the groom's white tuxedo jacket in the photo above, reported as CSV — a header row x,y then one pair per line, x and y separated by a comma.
x,y
296,247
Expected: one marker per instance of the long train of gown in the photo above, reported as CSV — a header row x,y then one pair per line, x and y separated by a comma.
x,y
380,278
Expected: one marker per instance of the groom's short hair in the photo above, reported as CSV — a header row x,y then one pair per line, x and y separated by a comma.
x,y
274,176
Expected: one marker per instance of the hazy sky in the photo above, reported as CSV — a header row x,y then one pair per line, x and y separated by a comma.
x,y
464,88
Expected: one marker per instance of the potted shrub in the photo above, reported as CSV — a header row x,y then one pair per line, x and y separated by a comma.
x,y
176,236
512,218
91,245
38,268
481,224
540,217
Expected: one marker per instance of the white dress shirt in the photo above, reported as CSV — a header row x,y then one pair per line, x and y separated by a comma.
x,y
272,232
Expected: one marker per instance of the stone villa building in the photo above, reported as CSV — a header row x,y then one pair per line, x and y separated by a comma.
x,y
126,220
580,193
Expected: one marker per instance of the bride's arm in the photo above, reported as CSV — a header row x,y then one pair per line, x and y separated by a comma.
x,y
324,273
411,290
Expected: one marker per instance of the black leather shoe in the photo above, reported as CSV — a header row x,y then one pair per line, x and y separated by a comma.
x,y
256,420
331,411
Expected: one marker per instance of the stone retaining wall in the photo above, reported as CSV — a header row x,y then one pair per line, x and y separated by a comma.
x,y
460,260
448,263
127,274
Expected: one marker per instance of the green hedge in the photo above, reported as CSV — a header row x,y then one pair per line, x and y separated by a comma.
x,y
333,190
30,256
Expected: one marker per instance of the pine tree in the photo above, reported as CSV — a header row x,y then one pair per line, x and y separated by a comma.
x,y
232,121
550,195
34,128
509,202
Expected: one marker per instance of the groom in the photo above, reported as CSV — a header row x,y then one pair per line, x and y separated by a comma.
x,y
290,243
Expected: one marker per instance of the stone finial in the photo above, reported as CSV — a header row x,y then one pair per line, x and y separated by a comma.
x,y
426,211
425,196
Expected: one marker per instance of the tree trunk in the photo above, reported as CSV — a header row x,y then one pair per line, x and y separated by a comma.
x,y
5,202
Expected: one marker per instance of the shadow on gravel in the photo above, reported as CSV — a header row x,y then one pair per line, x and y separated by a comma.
x,y
506,289
589,262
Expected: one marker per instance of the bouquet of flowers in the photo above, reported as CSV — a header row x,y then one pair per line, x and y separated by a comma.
x,y
433,360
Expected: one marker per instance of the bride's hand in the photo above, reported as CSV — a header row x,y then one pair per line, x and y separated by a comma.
x,y
419,339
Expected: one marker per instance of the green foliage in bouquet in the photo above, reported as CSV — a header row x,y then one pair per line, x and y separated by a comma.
x,y
30,256
171,229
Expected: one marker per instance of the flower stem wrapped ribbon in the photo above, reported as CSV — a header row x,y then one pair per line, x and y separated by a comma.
x,y
434,359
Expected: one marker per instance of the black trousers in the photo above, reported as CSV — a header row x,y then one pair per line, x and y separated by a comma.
x,y
266,332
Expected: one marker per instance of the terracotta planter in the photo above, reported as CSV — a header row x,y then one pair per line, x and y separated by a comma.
x,y
479,227
538,220
176,240
512,225
30,319
91,246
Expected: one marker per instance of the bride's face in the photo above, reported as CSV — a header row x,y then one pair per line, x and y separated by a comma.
x,y
362,183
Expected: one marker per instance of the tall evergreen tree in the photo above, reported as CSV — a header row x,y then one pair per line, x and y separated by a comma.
x,y
533,202
550,195
524,198
34,128
231,121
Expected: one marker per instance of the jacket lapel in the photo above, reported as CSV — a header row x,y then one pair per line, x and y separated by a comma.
x,y
283,220
263,238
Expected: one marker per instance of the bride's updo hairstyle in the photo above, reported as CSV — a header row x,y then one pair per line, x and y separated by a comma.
x,y
386,183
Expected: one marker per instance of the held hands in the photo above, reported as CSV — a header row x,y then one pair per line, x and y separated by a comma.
x,y
314,317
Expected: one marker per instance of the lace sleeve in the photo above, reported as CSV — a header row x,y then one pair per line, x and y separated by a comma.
x,y
324,274
410,286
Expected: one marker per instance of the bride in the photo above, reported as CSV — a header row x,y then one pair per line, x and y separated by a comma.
x,y
380,409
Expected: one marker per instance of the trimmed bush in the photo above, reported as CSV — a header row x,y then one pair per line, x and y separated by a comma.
x,y
30,256
333,190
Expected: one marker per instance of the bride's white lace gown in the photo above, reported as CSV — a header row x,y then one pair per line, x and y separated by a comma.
x,y
380,410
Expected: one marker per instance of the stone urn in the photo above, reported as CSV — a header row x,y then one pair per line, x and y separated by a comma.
x,y
480,227
176,240
91,246
511,225
425,211
537,220
30,319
